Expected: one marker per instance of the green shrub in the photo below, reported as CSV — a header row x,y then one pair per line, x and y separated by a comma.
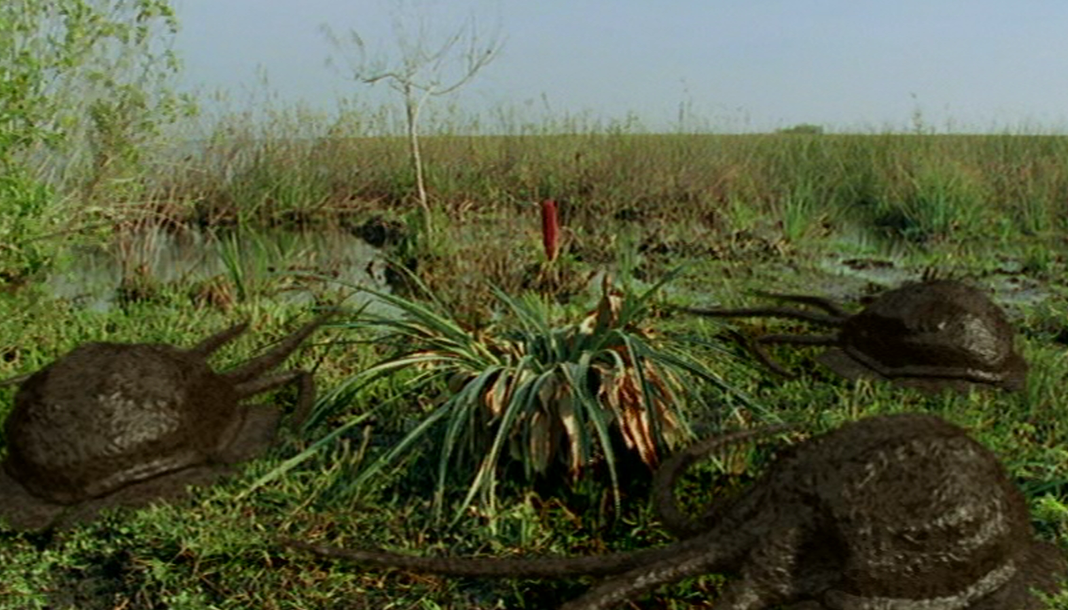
x,y
531,388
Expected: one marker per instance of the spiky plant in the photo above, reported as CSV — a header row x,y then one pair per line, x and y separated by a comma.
x,y
532,390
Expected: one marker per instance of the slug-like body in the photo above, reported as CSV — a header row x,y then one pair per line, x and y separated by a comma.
x,y
899,512
113,423
931,335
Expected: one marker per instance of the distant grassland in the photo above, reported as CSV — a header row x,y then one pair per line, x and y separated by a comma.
x,y
921,188
969,197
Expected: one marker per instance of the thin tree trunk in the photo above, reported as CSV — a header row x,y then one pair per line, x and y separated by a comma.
x,y
412,107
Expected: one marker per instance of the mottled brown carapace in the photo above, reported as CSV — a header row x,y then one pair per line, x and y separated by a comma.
x,y
891,512
116,424
931,335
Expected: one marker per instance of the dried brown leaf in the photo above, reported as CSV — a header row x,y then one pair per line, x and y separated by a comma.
x,y
496,396
565,409
542,447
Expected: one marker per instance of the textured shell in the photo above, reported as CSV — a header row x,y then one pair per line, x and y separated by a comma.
x,y
894,511
929,516
935,329
924,508
108,415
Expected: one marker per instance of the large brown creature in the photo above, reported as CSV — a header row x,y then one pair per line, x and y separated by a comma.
x,y
892,512
931,335
122,424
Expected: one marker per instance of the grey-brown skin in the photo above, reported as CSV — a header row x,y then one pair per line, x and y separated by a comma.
x,y
931,335
124,424
897,512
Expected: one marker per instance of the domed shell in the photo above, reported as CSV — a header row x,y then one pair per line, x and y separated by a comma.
x,y
934,330
107,415
115,424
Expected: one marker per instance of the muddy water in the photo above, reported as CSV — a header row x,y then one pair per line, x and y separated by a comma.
x,y
278,264
846,278
274,263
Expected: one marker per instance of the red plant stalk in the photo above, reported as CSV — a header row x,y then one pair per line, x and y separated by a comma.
x,y
550,229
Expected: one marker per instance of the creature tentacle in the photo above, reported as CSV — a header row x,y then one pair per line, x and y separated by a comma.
x,y
670,471
208,346
644,579
767,312
766,359
276,355
504,567
305,391
825,304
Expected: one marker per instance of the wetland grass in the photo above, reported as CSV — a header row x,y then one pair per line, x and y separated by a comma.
x,y
744,211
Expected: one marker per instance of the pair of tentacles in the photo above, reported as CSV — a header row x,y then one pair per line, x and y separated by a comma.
x,y
900,511
931,335
112,424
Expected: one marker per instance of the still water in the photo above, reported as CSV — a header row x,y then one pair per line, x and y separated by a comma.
x,y
287,266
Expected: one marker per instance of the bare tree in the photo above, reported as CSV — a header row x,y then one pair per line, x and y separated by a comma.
x,y
425,65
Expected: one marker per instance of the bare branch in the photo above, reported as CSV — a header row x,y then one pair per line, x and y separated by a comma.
x,y
422,70
438,68
476,58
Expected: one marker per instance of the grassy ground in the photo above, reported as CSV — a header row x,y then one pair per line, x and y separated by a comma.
x,y
743,212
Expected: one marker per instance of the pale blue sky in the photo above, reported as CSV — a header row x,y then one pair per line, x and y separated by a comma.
x,y
737,65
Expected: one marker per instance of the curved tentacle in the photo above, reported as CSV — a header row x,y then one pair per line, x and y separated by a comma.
x,y
767,360
644,579
255,366
767,312
208,346
762,581
835,315
664,499
305,391
823,303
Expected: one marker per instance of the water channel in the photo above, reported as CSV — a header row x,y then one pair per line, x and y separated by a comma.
x,y
287,266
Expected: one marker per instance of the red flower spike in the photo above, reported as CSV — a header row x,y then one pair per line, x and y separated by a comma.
x,y
550,229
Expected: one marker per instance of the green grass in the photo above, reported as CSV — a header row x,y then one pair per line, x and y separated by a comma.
x,y
788,190
743,212
917,187
218,550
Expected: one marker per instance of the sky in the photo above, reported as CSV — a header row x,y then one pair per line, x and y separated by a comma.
x,y
718,65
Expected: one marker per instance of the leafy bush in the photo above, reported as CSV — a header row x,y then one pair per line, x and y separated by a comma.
x,y
22,223
88,79
527,388
84,86
807,129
